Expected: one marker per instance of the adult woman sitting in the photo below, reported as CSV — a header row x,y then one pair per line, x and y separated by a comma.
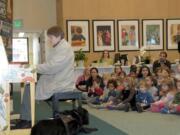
x,y
95,83
82,80
105,58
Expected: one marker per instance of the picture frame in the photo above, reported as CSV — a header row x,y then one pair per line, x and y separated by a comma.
x,y
103,35
78,34
173,33
152,34
128,35
20,50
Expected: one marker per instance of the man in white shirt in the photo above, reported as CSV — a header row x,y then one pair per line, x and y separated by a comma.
x,y
57,74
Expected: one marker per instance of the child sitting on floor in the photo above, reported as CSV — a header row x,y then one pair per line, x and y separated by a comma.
x,y
167,92
127,97
174,107
110,93
120,86
94,92
108,96
106,77
151,88
143,97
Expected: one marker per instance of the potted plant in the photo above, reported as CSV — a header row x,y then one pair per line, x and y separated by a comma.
x,y
145,59
80,57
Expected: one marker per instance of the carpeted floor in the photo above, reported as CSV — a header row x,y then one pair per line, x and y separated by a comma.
x,y
146,123
43,111
117,122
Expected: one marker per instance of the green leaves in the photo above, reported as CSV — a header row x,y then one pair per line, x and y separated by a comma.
x,y
80,55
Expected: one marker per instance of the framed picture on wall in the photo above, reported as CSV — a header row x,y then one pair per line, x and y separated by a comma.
x,y
173,33
20,50
78,34
103,35
128,35
152,34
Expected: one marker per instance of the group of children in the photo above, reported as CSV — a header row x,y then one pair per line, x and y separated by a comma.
x,y
140,90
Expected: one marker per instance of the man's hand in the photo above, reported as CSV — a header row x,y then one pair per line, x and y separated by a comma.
x,y
25,66
33,70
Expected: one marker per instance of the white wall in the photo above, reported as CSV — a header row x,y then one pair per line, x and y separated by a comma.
x,y
37,15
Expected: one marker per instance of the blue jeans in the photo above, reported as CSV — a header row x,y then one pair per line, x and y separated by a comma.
x,y
25,113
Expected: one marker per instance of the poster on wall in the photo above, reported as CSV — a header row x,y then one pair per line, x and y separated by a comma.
x,y
153,34
103,35
128,35
20,50
78,34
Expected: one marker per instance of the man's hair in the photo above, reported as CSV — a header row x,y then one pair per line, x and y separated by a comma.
x,y
55,31
163,52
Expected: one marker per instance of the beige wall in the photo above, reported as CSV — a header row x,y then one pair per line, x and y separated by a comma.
x,y
37,15
118,9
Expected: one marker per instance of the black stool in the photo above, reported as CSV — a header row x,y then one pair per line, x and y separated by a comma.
x,y
63,96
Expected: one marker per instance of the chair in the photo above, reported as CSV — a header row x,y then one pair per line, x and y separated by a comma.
x,y
63,96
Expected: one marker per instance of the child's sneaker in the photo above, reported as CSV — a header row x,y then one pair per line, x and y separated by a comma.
x,y
165,110
109,107
139,108
112,107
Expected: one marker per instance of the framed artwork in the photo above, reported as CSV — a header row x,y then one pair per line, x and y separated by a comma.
x,y
173,33
20,50
128,35
78,34
103,35
152,34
